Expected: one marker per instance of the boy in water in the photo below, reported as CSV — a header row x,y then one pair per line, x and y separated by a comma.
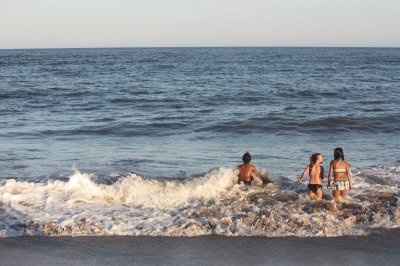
x,y
247,171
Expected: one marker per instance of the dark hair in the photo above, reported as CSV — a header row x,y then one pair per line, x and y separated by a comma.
x,y
314,158
246,157
338,154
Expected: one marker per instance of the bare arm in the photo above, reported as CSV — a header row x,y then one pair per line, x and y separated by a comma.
x,y
257,173
330,174
303,174
348,175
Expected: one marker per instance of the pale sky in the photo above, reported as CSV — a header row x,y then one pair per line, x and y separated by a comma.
x,y
166,23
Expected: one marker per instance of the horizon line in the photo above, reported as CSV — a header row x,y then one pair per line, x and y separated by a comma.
x,y
222,46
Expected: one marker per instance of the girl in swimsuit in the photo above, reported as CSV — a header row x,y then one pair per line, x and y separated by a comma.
x,y
341,173
316,172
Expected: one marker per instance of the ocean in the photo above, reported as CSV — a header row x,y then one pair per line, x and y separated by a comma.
x,y
145,141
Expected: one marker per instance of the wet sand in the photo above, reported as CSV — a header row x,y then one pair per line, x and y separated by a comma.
x,y
379,248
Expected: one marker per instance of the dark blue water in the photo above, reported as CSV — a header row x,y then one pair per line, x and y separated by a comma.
x,y
178,112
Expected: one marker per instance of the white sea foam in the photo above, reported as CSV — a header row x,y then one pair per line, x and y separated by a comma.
x,y
211,204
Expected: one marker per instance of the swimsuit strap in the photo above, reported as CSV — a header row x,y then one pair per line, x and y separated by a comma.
x,y
339,170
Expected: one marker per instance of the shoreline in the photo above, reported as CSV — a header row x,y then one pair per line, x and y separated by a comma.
x,y
380,247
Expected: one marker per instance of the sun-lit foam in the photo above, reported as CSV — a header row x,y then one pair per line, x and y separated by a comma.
x,y
211,204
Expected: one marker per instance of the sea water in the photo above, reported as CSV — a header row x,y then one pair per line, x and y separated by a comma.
x,y
144,141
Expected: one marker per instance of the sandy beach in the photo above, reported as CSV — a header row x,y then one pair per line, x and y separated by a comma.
x,y
379,248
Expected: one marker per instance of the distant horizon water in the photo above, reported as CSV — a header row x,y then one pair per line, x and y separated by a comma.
x,y
205,47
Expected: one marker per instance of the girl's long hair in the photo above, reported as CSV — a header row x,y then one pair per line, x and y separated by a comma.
x,y
338,154
313,160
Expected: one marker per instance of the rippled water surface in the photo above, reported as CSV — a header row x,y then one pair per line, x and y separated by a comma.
x,y
174,122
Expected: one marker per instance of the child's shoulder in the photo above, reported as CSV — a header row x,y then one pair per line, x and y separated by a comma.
x,y
252,165
246,165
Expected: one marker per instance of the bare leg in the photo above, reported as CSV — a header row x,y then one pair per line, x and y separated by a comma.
x,y
343,194
311,195
336,194
319,194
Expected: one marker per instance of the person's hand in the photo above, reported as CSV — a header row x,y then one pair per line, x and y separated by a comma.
x,y
350,186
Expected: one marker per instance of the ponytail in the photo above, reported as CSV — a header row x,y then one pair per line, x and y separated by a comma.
x,y
313,159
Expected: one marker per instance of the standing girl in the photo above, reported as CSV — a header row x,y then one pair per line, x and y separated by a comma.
x,y
316,172
341,174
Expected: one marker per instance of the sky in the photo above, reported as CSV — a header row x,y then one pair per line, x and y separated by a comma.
x,y
198,23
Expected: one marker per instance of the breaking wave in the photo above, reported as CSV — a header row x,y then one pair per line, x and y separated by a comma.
x,y
211,204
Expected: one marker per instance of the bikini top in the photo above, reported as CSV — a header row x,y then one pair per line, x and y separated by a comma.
x,y
339,170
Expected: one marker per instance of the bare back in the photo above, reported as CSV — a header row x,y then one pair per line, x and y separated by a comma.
x,y
340,170
315,174
246,171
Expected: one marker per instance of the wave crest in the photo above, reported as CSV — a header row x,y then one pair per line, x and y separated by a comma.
x,y
209,204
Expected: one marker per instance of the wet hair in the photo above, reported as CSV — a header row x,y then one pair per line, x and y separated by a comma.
x,y
314,158
338,154
246,157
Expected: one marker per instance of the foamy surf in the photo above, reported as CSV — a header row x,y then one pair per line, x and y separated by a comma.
x,y
211,204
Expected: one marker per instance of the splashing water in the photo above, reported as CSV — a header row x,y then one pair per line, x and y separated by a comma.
x,y
210,204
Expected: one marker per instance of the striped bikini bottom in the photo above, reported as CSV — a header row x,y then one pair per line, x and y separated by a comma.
x,y
341,185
